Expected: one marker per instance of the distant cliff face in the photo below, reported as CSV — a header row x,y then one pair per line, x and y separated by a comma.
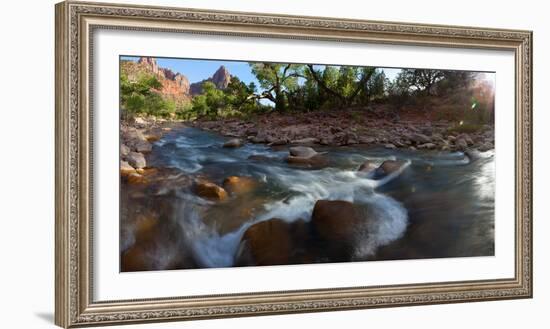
x,y
221,79
174,85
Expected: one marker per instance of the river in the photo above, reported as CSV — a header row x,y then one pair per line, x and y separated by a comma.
x,y
439,204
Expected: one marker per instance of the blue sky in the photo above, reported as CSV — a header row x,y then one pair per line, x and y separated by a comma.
x,y
199,69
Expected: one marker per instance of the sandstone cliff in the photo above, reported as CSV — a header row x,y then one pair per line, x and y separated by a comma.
x,y
220,79
174,85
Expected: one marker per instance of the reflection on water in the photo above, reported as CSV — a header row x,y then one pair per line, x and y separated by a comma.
x,y
436,205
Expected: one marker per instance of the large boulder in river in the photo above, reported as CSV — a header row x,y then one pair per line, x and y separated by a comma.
x,y
302,155
334,220
367,166
232,143
336,224
266,243
302,151
137,160
388,167
209,190
276,242
236,185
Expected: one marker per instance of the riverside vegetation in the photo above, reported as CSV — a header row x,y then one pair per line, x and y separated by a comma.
x,y
313,164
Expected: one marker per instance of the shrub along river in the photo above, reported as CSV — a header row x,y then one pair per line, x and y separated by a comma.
x,y
258,209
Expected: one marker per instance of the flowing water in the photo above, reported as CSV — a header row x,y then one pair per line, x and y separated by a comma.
x,y
439,204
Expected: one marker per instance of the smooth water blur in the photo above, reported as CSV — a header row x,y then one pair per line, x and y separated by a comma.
x,y
437,205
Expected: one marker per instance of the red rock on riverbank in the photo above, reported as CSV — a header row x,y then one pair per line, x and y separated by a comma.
x,y
353,127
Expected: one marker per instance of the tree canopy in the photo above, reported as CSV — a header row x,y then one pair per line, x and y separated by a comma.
x,y
292,87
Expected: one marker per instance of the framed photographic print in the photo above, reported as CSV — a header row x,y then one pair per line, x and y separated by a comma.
x,y
217,164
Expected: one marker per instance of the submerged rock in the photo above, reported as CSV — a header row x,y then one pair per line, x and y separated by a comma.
x,y
234,142
209,190
135,178
262,158
236,185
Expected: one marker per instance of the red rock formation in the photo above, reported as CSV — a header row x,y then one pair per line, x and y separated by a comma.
x,y
150,63
174,85
221,79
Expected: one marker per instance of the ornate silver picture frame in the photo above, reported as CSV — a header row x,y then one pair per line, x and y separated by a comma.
x,y
76,23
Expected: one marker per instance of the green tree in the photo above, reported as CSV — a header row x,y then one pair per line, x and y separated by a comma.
x,y
140,96
345,84
277,80
312,96
375,87
455,80
421,80
210,103
241,97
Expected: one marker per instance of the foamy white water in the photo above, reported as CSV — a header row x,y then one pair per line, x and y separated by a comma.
x,y
385,221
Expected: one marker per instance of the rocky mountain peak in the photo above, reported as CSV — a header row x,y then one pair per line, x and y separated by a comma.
x,y
150,64
175,84
221,78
